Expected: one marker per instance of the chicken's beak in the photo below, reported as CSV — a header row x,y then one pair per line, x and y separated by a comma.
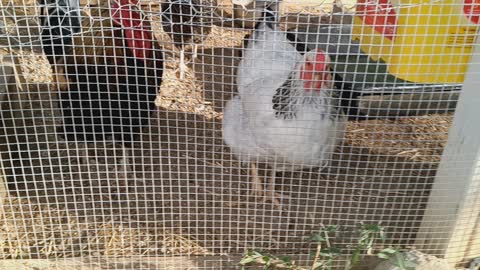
x,y
317,82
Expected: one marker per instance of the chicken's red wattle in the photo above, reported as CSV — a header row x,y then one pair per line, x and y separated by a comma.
x,y
137,32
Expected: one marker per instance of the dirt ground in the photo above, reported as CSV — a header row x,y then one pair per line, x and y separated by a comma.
x,y
185,193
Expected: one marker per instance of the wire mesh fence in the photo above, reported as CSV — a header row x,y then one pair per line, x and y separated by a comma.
x,y
184,133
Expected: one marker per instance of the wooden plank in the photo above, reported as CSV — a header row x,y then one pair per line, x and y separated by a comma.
x,y
9,77
149,263
452,218
146,263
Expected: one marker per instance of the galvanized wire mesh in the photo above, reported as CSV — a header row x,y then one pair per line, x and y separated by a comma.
x,y
178,196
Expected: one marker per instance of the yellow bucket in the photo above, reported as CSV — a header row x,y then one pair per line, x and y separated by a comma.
x,y
424,42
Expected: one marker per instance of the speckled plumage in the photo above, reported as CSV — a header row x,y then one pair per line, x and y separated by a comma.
x,y
274,119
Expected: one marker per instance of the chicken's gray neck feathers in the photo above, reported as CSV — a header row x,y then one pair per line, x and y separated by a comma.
x,y
289,98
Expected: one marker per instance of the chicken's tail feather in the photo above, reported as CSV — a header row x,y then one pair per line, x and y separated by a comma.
x,y
60,20
269,16
268,21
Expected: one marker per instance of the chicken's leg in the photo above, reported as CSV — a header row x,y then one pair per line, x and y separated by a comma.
x,y
195,51
83,154
258,189
257,185
270,193
125,161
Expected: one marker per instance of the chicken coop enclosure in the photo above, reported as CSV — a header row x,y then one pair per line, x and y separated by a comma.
x,y
220,134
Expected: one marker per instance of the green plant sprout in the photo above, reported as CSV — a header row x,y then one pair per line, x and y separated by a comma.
x,y
329,252
368,235
268,261
400,261
322,259
326,253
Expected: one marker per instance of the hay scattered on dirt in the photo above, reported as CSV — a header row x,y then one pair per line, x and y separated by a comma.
x,y
417,138
35,68
224,38
181,89
30,231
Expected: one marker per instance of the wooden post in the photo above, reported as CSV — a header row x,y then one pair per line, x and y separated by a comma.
x,y
8,83
451,222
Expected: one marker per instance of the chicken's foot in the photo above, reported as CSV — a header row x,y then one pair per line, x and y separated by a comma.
x,y
258,190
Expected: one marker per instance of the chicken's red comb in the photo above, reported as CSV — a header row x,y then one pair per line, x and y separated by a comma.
x,y
314,72
320,60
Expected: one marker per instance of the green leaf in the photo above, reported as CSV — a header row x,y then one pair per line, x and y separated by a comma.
x,y
331,228
317,237
259,253
382,234
389,250
403,263
266,259
387,253
372,227
287,260
247,260
330,252
384,256
355,258
410,264
400,264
